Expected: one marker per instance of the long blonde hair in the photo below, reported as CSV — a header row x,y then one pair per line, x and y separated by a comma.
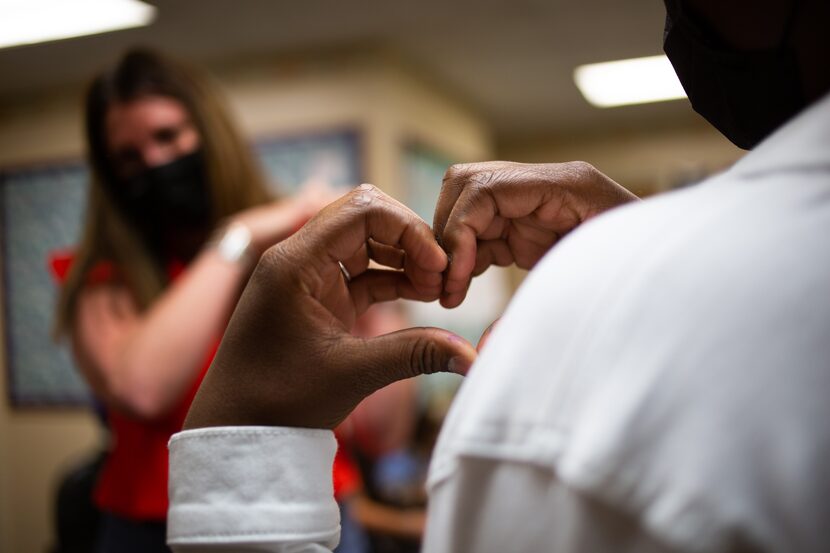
x,y
234,178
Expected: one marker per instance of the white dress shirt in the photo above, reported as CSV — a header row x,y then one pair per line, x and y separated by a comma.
x,y
659,383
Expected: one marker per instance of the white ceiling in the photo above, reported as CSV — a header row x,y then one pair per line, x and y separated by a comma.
x,y
512,60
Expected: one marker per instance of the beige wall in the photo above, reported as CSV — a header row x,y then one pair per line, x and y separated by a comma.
x,y
36,447
646,162
371,91
367,90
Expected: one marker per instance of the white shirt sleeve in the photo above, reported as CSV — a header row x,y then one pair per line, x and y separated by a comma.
x,y
252,489
493,506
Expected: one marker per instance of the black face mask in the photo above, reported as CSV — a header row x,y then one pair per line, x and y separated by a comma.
x,y
167,198
745,95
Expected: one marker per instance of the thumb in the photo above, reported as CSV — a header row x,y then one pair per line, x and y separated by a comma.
x,y
412,352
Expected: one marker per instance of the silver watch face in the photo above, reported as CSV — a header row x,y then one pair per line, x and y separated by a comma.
x,y
235,243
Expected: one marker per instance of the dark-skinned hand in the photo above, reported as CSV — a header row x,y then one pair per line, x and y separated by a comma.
x,y
287,357
501,213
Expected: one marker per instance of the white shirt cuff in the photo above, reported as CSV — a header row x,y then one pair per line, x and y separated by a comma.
x,y
252,486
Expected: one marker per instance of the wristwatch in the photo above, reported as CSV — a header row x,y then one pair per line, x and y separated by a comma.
x,y
233,243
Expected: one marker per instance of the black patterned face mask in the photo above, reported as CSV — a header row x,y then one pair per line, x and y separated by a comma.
x,y
745,95
166,200
168,197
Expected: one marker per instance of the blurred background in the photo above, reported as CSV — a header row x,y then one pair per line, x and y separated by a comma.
x,y
387,92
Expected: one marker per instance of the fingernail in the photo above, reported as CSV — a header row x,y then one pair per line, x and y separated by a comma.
x,y
459,365
486,335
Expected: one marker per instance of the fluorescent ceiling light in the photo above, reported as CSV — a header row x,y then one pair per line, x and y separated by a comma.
x,y
625,82
33,21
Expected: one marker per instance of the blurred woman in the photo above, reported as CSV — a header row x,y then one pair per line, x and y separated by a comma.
x,y
177,216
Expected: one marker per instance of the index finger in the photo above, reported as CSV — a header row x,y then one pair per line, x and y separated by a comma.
x,y
344,227
455,179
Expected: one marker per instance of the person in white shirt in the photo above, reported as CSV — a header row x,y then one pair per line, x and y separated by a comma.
x,y
659,383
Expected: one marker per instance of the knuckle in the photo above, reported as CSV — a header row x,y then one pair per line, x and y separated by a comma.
x,y
581,170
485,178
425,357
271,258
476,174
364,195
270,265
366,187
455,170
458,175
274,264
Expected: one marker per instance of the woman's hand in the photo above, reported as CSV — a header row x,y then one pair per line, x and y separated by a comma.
x,y
500,213
288,359
272,223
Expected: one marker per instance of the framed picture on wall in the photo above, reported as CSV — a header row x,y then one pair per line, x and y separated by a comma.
x,y
41,212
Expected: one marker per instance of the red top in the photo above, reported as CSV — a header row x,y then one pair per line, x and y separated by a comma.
x,y
133,481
